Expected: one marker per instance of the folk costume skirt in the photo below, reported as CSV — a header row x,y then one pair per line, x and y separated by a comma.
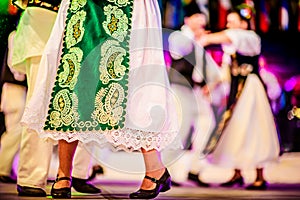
x,y
103,78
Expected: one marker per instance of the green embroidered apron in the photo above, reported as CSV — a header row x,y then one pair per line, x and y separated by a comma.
x,y
91,85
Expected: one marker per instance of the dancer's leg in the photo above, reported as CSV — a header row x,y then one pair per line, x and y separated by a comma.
x,y
154,168
65,154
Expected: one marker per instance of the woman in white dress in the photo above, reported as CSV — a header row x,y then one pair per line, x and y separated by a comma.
x,y
103,79
247,137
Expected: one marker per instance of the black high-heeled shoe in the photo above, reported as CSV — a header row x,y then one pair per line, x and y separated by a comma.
x,y
262,186
162,185
61,193
97,169
235,181
195,179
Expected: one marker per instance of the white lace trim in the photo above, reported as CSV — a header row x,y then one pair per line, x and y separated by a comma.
x,y
126,139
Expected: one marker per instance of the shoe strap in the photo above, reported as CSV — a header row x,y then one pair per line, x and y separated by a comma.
x,y
63,178
154,180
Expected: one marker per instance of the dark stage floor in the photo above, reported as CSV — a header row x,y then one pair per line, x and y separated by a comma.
x,y
121,189
283,178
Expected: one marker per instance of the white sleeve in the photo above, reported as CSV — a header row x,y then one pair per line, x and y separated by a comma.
x,y
273,87
10,47
246,42
179,45
17,75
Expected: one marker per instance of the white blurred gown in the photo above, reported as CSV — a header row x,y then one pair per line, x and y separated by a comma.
x,y
250,138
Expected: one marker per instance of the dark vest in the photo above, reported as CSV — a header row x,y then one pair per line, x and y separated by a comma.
x,y
241,59
7,75
182,70
252,60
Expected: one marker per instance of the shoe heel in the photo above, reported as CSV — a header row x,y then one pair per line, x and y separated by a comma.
x,y
241,182
233,182
162,185
61,193
166,185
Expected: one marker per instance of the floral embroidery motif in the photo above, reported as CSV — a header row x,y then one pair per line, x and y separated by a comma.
x,y
75,29
120,3
111,67
77,5
116,24
113,25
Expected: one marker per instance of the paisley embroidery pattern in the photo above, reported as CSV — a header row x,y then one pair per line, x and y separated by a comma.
x,y
75,29
71,68
116,24
82,98
108,103
111,67
63,113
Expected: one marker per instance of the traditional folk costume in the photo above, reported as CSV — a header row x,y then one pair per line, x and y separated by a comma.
x,y
25,54
111,85
247,138
191,68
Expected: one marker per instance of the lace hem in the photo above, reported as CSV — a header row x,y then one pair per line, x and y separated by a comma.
x,y
126,139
